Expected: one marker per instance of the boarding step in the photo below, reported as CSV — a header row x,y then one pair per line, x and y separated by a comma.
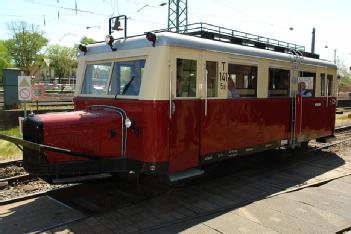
x,y
78,179
326,139
186,174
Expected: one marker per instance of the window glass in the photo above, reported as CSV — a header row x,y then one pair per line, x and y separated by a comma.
x,y
330,85
186,78
126,78
322,84
279,81
306,84
96,79
212,81
242,81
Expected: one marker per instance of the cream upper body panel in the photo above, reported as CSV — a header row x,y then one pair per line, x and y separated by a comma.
x,y
160,66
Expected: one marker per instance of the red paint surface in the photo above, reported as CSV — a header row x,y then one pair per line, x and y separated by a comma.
x,y
184,135
78,131
229,124
317,121
151,117
239,123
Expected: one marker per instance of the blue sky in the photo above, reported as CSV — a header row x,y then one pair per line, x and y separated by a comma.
x,y
270,18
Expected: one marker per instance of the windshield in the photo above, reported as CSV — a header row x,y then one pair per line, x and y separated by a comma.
x,y
126,78
96,78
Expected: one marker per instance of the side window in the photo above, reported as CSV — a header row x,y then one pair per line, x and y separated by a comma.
x,y
322,84
212,81
242,81
96,78
306,84
126,78
186,78
279,82
330,85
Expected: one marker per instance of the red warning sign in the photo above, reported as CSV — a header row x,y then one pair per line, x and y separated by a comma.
x,y
24,88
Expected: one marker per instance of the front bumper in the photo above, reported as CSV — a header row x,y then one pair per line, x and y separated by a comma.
x,y
36,164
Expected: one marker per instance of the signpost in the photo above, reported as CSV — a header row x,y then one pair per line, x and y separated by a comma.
x,y
38,92
24,91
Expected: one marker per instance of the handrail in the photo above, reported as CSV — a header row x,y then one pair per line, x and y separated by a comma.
x,y
124,127
206,78
170,91
222,31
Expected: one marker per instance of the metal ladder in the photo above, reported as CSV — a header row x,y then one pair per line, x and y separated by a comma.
x,y
297,59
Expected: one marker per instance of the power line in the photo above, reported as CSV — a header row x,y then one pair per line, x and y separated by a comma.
x,y
68,8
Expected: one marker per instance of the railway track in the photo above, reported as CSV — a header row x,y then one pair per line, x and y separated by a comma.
x,y
18,163
65,192
121,196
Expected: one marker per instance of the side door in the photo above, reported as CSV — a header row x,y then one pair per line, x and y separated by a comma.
x,y
308,107
314,110
331,102
214,106
185,110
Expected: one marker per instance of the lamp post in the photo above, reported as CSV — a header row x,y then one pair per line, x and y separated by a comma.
x,y
147,5
89,27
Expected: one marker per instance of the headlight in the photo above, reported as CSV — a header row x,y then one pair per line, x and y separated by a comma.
x,y
128,123
109,39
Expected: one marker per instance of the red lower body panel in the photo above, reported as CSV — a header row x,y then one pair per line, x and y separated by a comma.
x,y
229,124
238,123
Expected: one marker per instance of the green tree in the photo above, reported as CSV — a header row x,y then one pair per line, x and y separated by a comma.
x,y
86,40
344,75
26,44
5,60
62,59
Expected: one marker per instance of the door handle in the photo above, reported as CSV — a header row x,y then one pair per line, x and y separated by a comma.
x,y
173,107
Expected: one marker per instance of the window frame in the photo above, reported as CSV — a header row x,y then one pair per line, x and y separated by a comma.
x,y
217,78
198,81
112,61
332,85
289,80
246,64
323,91
314,81
108,80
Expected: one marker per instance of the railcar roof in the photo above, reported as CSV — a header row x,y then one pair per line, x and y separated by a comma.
x,y
186,41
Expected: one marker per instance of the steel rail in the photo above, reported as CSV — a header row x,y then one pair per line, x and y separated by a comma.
x,y
17,163
19,178
35,195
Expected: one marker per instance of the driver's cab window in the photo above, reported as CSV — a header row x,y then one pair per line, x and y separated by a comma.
x,y
96,79
126,78
306,84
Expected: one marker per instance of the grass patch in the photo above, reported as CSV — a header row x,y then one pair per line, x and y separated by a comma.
x,y
8,150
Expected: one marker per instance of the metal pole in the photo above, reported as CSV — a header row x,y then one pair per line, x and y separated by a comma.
x,y
313,40
177,16
334,56
25,109
186,15
169,15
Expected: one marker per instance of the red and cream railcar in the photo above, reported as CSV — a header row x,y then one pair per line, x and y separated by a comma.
x,y
166,109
